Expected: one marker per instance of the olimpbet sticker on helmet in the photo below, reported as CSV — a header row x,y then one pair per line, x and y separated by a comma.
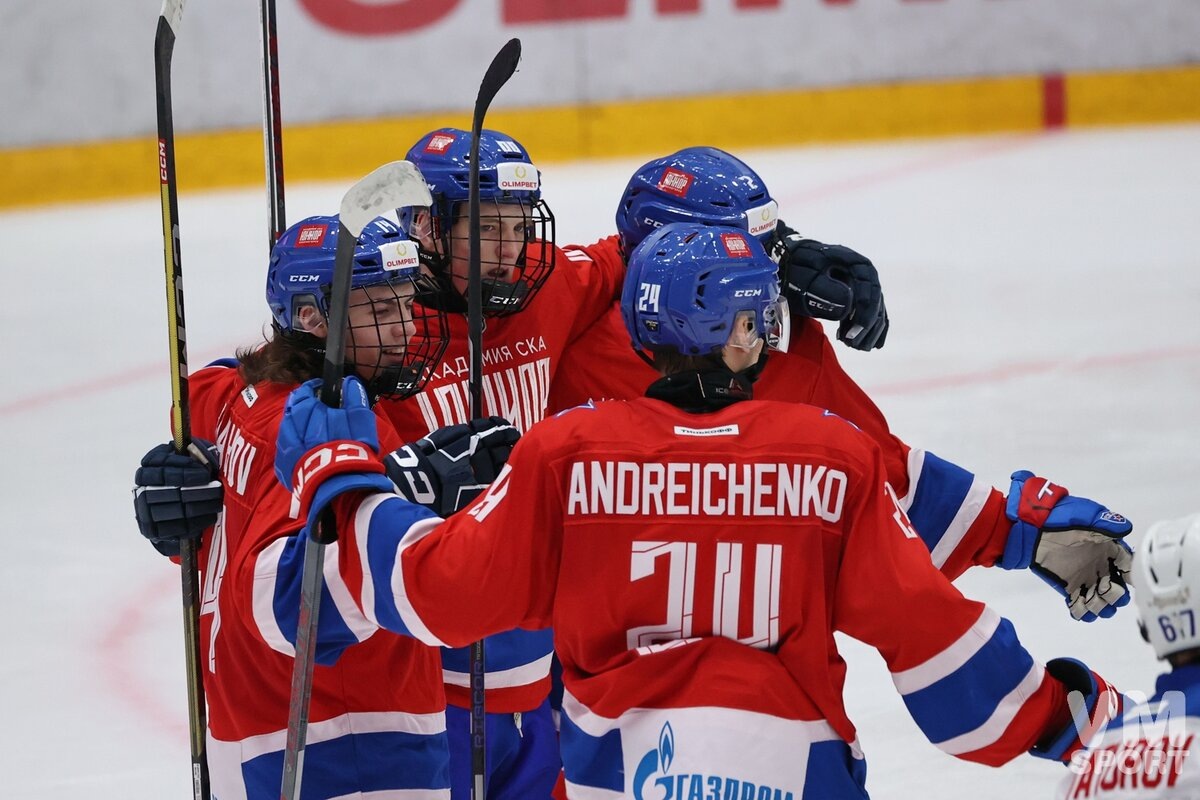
x,y
400,255
518,176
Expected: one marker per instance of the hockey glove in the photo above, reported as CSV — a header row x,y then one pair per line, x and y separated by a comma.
x,y
1093,704
321,451
829,281
448,469
177,496
1074,544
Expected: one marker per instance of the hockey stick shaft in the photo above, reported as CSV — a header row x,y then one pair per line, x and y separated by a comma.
x,y
394,185
272,124
164,48
498,72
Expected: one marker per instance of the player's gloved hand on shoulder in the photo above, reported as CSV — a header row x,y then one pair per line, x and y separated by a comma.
x,y
829,281
322,451
1074,544
1092,703
177,496
447,469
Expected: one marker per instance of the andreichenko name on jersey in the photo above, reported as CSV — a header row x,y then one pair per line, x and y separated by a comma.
x,y
629,488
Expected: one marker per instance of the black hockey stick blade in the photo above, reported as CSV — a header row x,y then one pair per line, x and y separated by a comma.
x,y
498,72
394,185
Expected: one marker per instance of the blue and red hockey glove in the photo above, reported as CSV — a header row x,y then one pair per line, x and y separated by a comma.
x,y
177,496
322,451
1074,544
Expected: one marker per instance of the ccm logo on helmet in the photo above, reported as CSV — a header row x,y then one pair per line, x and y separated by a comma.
x,y
304,279
747,293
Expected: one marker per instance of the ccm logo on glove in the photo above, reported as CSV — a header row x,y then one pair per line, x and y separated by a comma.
x,y
333,458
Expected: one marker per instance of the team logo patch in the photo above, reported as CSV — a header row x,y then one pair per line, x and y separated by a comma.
x,y
439,143
517,176
762,219
400,255
735,245
311,235
675,182
1112,516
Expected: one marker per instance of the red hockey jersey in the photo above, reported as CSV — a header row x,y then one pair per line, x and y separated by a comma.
x,y
521,355
694,569
960,518
377,721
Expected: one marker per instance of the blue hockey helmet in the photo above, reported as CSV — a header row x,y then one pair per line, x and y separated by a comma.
x,y
301,275
517,231
696,184
687,284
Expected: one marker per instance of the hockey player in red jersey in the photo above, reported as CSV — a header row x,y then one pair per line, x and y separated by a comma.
x,y
535,300
962,519
695,550
377,722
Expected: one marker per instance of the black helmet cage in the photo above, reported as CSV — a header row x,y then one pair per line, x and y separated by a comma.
x,y
401,370
533,266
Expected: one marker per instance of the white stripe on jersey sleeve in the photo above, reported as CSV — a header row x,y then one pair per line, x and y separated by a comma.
x,y
352,616
416,626
266,567
916,459
990,731
952,658
964,518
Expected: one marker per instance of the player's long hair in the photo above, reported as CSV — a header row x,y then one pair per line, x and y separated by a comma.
x,y
287,357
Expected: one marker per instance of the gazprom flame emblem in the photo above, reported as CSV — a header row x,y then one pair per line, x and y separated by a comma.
x,y
655,762
666,747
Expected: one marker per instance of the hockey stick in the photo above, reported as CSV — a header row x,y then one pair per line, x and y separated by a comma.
x,y
498,72
392,186
181,428
272,124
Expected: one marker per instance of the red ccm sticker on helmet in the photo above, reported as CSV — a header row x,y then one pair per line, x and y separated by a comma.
x,y
735,245
439,143
311,235
675,182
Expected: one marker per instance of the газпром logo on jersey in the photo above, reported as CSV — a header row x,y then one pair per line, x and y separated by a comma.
x,y
653,779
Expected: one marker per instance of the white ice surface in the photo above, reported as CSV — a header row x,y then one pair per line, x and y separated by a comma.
x,y
1044,291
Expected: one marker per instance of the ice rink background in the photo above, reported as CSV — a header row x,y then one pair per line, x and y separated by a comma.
x,y
1044,293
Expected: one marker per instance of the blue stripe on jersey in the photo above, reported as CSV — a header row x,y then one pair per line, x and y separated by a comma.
x,y
833,771
940,492
506,650
591,760
333,636
388,523
361,762
966,698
